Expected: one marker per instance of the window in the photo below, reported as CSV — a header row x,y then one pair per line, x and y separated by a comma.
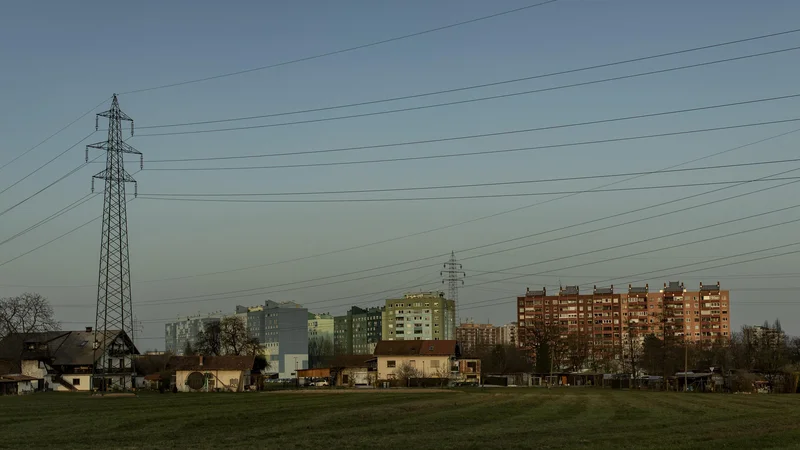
x,y
435,363
391,364
76,381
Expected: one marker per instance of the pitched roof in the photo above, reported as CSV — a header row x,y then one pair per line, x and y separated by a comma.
x,y
16,378
213,362
58,347
410,348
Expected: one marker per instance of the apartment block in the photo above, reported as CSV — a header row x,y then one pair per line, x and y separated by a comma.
x,y
358,331
607,320
594,318
507,334
420,316
282,328
185,330
320,326
474,336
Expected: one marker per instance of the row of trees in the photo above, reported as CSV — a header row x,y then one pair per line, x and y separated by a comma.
x,y
765,350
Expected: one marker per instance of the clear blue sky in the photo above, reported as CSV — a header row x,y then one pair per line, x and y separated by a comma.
x,y
59,61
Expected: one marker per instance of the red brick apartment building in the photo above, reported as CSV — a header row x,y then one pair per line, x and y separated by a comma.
x,y
606,320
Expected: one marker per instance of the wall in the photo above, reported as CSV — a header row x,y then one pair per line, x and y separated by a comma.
x,y
288,362
222,379
424,364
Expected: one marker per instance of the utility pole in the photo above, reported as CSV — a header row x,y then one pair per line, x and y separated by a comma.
x,y
685,363
454,277
114,305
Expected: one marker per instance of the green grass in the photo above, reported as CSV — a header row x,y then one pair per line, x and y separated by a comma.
x,y
491,418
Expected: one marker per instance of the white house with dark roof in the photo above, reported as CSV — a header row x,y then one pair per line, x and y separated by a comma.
x,y
61,360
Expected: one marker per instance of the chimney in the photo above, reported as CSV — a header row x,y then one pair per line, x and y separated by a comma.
x,y
88,329
201,360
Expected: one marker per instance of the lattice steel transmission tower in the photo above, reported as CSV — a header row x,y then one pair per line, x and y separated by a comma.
x,y
113,363
453,276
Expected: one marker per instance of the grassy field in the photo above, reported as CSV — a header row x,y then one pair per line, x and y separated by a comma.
x,y
491,418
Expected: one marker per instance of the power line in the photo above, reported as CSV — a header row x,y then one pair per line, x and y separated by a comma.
x,y
477,86
478,136
54,239
493,302
495,215
50,137
477,219
474,185
62,177
483,152
55,215
240,291
480,99
345,50
649,251
466,197
45,165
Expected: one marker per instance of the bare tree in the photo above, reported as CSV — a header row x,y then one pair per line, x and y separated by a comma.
x,y
578,350
319,348
405,372
27,313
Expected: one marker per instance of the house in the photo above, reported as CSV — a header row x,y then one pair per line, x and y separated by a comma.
x,y
16,384
416,359
64,360
213,373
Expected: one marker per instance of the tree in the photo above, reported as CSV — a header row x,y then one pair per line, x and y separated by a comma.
x,y
319,348
27,313
229,336
405,372
209,340
578,350
503,359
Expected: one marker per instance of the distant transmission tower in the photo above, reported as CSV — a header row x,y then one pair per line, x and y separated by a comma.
x,y
113,364
453,276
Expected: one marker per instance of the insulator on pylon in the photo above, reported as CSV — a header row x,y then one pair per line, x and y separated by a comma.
x,y
141,162
96,123
131,128
92,185
87,154
135,189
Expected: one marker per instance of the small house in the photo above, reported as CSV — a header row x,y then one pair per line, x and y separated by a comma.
x,y
213,373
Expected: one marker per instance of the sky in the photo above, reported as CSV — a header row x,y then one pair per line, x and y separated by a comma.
x,y
60,61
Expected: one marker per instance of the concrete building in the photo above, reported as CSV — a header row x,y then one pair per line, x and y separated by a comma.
x,y
473,337
420,316
507,334
282,328
320,326
358,331
608,320
185,330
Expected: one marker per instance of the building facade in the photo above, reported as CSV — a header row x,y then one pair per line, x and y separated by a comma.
x,y
420,316
185,330
473,337
507,334
282,328
608,321
358,331
320,326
